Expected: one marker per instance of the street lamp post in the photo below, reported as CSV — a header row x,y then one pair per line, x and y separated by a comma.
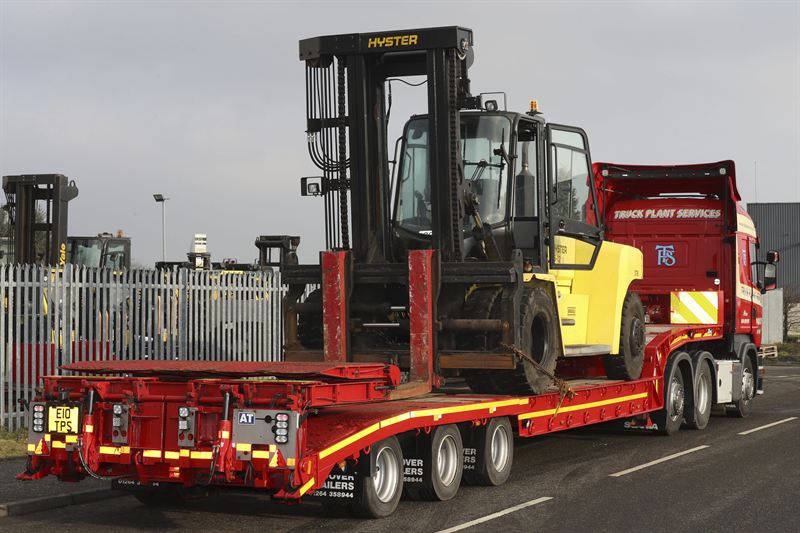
x,y
159,198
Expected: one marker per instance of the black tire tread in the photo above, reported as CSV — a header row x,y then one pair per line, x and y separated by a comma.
x,y
617,366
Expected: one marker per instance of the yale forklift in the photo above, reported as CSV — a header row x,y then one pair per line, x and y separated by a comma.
x,y
519,272
38,206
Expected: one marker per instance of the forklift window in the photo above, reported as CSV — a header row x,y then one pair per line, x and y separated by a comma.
x,y
115,256
482,137
86,252
572,183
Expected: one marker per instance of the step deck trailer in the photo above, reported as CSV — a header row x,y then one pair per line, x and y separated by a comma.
x,y
360,434
305,429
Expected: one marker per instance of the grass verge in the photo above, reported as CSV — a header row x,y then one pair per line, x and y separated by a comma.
x,y
13,443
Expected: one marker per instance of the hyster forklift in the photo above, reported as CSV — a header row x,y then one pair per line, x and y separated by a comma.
x,y
487,221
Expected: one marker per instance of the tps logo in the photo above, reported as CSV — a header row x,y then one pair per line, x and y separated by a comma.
x,y
665,255
247,418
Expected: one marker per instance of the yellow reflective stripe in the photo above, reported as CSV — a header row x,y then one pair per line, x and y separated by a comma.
x,y
153,454
58,444
260,454
113,450
224,434
31,447
273,448
89,428
305,488
47,437
201,455
184,452
244,447
171,455
290,461
349,440
694,307
491,407
570,408
71,438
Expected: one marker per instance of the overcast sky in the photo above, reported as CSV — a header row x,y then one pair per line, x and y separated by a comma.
x,y
203,102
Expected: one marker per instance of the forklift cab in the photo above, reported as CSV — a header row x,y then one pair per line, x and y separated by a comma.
x,y
505,157
102,251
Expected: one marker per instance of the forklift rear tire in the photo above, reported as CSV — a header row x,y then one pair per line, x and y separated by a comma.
x,y
380,492
627,364
494,455
444,466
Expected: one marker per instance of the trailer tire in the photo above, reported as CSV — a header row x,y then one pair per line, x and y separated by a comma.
x,y
670,418
495,453
628,363
444,466
380,492
741,408
309,325
698,417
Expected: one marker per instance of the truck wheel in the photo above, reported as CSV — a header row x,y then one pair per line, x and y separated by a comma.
x,y
481,304
380,493
495,453
309,325
670,418
539,341
742,408
628,363
698,417
444,466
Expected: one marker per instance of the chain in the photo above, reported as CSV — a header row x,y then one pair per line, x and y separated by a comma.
x,y
564,390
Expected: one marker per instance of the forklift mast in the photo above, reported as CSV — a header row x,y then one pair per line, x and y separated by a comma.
x,y
46,196
346,103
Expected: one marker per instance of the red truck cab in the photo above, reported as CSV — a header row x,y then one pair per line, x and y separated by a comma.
x,y
698,242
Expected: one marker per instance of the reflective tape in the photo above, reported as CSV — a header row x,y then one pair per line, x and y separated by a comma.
x,y
171,455
152,454
260,454
694,307
202,455
305,488
243,446
71,438
113,450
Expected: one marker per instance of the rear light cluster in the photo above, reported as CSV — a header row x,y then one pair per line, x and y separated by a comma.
x,y
119,423
38,418
281,428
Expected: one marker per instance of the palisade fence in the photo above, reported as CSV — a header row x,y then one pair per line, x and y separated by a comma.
x,y
51,317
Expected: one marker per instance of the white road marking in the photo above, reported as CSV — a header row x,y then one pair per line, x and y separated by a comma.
x,y
498,514
657,461
768,425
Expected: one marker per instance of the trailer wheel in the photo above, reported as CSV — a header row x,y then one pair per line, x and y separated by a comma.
x,y
495,453
380,493
309,325
444,466
670,418
742,408
698,417
628,363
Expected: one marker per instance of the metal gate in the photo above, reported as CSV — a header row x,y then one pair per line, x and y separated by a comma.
x,y
54,316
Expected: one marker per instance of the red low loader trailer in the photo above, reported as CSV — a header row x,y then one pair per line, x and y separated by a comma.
x,y
348,433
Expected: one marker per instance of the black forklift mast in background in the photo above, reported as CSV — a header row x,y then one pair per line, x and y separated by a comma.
x,y
346,103
43,241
